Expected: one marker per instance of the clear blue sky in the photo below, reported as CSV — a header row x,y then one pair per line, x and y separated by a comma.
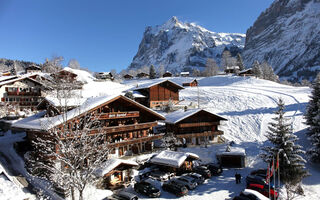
x,y
105,34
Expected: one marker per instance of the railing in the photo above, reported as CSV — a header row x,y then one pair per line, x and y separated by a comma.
x,y
16,93
207,133
125,128
135,140
118,115
185,125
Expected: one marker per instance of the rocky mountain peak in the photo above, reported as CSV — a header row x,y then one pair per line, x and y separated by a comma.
x,y
181,46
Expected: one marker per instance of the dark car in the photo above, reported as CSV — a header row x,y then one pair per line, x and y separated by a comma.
x,y
202,170
214,168
255,179
264,189
198,177
147,189
241,198
260,172
122,195
175,188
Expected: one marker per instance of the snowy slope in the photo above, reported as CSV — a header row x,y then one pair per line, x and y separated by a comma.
x,y
178,46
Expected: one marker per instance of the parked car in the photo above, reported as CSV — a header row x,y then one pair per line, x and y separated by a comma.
x,y
160,175
122,195
253,195
147,189
187,181
264,189
199,179
255,179
241,198
175,188
203,171
214,168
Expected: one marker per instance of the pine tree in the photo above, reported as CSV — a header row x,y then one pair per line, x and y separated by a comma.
x,y
256,69
312,116
280,134
240,62
152,73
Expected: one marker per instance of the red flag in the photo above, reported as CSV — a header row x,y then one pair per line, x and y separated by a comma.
x,y
268,174
272,168
277,165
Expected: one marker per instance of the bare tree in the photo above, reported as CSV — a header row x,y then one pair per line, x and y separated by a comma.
x,y
196,72
161,70
211,68
70,146
53,65
268,73
227,60
74,64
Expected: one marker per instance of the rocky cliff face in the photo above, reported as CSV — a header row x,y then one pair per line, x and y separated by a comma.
x,y
287,35
182,46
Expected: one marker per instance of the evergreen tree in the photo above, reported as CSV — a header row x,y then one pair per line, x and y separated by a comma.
x,y
312,116
280,134
256,69
152,73
267,72
240,62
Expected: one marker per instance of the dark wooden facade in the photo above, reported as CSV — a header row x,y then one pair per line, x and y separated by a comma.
x,y
127,125
128,77
167,74
199,128
33,69
247,72
65,75
193,83
142,75
160,94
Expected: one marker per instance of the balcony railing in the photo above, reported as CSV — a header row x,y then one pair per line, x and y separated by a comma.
x,y
16,93
206,133
186,125
136,140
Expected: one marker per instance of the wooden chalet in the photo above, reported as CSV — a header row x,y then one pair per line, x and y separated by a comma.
x,y
65,75
190,83
157,94
142,75
184,74
33,69
195,126
174,161
105,76
54,106
115,173
128,77
24,92
167,74
246,72
127,125
232,70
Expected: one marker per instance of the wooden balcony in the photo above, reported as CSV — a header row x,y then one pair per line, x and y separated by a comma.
x,y
126,128
203,134
186,125
16,93
118,115
135,140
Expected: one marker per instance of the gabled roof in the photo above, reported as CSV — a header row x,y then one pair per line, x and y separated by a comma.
x,y
88,106
245,70
156,82
6,78
179,115
112,164
70,102
19,79
172,158
182,80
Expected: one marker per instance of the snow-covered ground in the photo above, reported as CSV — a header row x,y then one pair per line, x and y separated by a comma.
x,y
248,104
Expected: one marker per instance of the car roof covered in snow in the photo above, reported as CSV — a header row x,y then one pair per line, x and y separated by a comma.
x,y
172,158
179,115
233,151
111,164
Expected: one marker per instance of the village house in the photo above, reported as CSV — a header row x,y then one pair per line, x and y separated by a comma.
x,y
174,161
167,74
194,126
24,92
232,69
33,69
246,72
104,76
184,74
126,124
65,75
115,173
142,75
190,83
157,94
128,77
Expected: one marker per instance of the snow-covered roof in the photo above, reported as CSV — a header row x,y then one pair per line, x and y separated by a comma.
x,y
182,80
4,78
38,123
256,193
185,73
61,102
233,67
137,94
19,78
155,82
111,164
179,115
82,76
172,158
233,151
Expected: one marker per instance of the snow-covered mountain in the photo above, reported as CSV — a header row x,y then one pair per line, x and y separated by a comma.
x,y
182,46
287,35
